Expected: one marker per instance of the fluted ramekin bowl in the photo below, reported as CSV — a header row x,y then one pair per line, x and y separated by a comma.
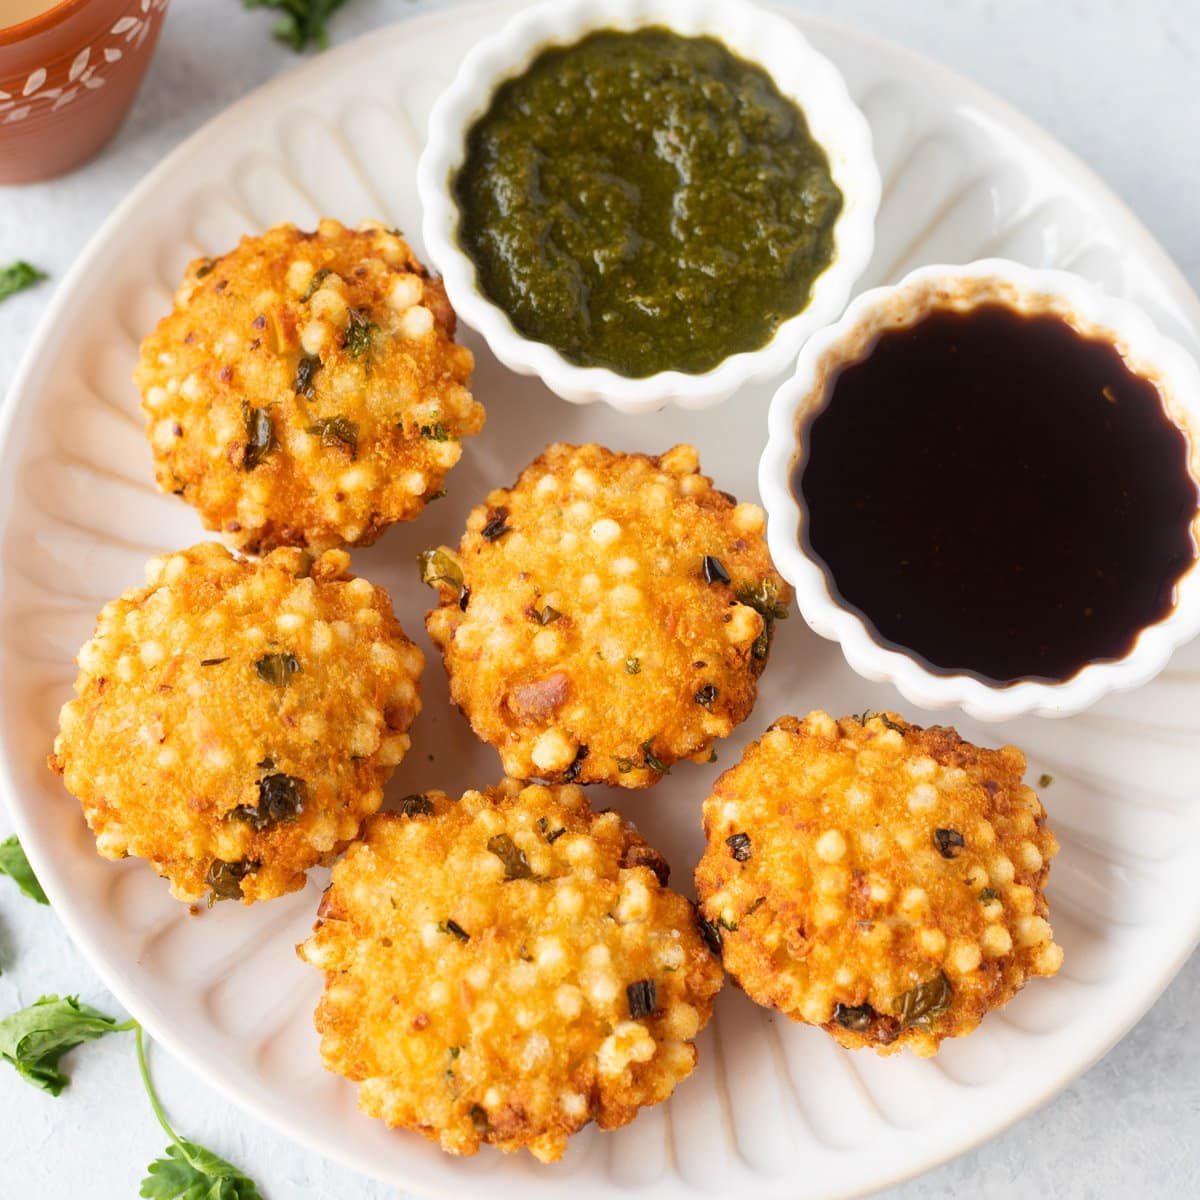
x,y
801,398
755,34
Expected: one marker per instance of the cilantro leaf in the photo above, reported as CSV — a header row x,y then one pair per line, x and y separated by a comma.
x,y
17,276
188,1171
15,865
303,21
35,1038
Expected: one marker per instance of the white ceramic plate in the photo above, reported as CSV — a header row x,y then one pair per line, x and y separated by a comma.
x,y
773,1109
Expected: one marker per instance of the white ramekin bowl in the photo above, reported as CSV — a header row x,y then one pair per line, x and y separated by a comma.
x,y
755,34
801,398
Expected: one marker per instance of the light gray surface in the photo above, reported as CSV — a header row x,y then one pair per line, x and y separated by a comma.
x,y
1113,80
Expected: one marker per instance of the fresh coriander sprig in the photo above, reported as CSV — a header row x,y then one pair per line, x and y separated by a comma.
x,y
15,865
35,1038
188,1171
17,276
303,21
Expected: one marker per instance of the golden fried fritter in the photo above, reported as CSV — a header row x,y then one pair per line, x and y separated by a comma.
x,y
236,721
607,616
878,879
506,968
306,390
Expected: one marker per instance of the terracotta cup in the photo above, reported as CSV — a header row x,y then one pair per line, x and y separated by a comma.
x,y
67,79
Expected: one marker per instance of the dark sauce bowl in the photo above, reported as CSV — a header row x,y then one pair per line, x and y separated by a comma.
x,y
757,35
1145,353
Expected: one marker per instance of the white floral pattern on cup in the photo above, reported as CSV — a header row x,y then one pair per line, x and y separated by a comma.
x,y
87,70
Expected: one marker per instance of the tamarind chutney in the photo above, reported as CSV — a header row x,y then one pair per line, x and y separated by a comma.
x,y
998,495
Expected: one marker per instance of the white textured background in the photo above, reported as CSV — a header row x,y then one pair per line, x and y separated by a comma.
x,y
1116,80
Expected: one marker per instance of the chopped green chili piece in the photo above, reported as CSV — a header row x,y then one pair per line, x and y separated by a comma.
x,y
497,525
764,599
572,772
306,368
856,1018
280,798
336,433
438,567
949,842
225,878
633,665
927,1000
739,846
357,338
705,696
516,865
988,895
277,669
455,928
714,570
761,645
260,436
870,715
710,932
1045,781
314,283
642,998
435,432
417,805
653,761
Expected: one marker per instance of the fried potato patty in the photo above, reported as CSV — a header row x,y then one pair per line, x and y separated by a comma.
x,y
236,721
606,616
878,879
506,968
306,390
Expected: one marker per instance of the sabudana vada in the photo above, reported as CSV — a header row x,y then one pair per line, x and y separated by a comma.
x,y
607,616
306,389
235,722
505,968
877,879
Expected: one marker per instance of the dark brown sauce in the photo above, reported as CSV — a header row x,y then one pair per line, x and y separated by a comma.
x,y
999,495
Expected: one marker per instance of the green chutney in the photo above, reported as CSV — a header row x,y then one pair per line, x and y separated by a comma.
x,y
646,202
